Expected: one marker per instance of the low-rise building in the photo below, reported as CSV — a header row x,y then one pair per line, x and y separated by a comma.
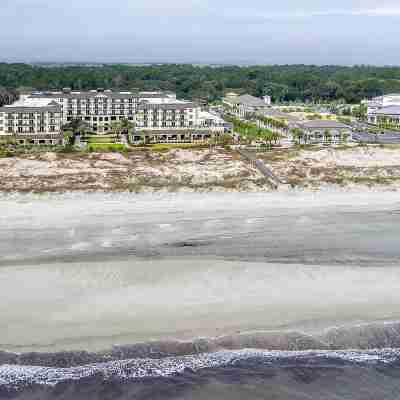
x,y
384,109
242,106
323,132
389,115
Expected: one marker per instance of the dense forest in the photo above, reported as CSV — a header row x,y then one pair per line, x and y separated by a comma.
x,y
7,96
283,83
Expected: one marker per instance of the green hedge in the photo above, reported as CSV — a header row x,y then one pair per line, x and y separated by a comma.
x,y
101,139
106,147
166,146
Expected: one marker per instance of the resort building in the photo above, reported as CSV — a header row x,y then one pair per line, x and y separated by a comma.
x,y
323,132
389,115
242,106
31,125
168,122
156,116
384,110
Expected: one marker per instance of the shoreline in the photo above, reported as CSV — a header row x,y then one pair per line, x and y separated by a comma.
x,y
363,337
19,378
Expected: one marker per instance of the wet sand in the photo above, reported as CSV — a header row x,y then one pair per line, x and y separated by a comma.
x,y
92,271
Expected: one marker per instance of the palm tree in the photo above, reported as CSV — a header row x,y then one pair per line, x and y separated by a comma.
x,y
77,127
327,136
344,137
297,134
127,127
275,137
116,128
74,128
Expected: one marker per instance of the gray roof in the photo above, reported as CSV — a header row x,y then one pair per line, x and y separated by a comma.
x,y
280,114
374,104
83,95
389,110
52,107
89,94
165,106
249,100
323,124
169,131
162,95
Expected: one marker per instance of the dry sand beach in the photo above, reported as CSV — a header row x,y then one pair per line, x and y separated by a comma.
x,y
91,271
160,295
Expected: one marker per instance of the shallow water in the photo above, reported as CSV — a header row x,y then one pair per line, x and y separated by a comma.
x,y
88,272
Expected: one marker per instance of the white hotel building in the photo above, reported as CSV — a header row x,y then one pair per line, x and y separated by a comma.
x,y
157,116
384,109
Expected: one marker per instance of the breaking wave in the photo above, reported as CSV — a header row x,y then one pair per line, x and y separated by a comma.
x,y
361,337
159,370
17,376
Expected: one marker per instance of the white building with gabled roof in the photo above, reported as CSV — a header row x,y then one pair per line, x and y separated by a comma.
x,y
384,109
243,105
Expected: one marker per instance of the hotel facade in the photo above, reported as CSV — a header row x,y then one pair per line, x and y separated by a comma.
x,y
24,125
38,118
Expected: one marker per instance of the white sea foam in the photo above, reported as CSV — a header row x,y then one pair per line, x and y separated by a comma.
x,y
18,376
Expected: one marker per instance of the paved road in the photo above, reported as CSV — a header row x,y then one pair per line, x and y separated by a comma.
x,y
387,138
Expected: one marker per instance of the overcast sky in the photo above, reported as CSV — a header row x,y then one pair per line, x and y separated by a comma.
x,y
202,31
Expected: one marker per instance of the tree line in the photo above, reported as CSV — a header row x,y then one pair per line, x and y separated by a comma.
x,y
7,96
284,83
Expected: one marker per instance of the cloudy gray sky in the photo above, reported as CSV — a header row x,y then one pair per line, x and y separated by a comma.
x,y
209,31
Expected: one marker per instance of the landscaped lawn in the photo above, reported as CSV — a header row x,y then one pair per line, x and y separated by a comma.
x,y
106,147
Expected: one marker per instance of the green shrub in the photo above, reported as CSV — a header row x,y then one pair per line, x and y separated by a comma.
x,y
104,147
166,146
